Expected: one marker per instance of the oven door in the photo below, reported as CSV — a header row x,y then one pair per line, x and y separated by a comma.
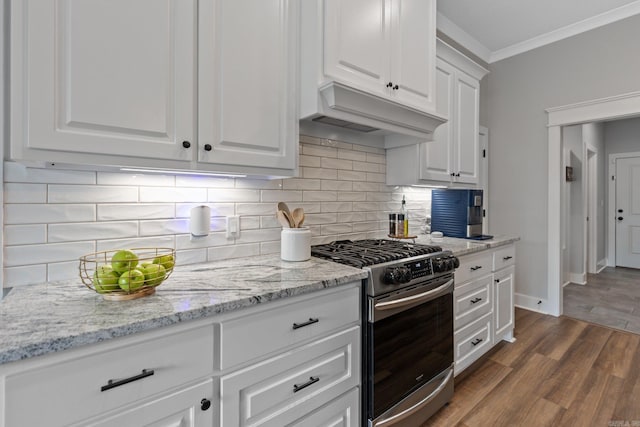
x,y
409,352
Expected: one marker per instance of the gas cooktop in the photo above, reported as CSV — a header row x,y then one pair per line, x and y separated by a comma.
x,y
362,253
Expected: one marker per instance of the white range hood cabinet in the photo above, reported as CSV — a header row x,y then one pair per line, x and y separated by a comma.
x,y
346,93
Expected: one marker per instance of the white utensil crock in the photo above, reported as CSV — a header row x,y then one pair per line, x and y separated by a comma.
x,y
295,244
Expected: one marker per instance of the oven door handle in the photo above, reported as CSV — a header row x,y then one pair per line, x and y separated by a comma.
x,y
407,412
425,296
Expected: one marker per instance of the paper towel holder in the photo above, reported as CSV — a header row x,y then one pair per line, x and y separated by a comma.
x,y
200,221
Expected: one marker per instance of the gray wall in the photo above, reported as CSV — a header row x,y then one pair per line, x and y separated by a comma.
x,y
596,64
622,136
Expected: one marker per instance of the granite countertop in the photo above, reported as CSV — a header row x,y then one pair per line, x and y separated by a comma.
x,y
46,318
461,247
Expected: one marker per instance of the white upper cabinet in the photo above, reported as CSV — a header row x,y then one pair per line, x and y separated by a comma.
x,y
155,84
453,156
110,77
247,80
370,62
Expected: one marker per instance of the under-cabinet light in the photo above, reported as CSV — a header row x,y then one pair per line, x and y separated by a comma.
x,y
181,172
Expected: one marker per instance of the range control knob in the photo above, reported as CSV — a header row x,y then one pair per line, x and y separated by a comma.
x,y
396,275
439,265
456,262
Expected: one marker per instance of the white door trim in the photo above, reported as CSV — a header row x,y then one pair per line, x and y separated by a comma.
x,y
610,108
611,222
590,202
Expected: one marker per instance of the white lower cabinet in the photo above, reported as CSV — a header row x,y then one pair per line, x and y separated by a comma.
x,y
207,373
483,303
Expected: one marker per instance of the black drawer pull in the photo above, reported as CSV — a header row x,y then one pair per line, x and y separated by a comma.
x,y
312,380
507,258
302,325
497,280
476,342
477,267
117,383
476,300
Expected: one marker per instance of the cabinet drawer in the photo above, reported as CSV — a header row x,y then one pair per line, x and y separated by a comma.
x,y
472,301
341,412
249,337
473,266
504,257
282,389
72,391
471,342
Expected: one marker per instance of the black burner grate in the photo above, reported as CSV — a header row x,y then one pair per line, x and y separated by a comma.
x,y
362,253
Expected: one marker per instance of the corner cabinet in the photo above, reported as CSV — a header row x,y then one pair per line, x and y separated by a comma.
x,y
483,304
155,84
453,157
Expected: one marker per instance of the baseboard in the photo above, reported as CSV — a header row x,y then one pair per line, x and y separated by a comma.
x,y
566,283
530,303
578,278
601,265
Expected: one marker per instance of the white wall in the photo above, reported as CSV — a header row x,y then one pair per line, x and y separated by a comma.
x,y
593,136
53,217
572,141
622,136
596,64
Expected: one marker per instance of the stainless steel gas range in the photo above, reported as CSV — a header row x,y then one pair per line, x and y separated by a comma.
x,y
408,336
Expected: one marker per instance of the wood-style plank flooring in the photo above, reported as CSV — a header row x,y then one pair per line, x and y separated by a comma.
x,y
610,298
560,372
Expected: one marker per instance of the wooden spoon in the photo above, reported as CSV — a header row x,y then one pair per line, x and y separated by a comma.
x,y
283,219
298,217
282,206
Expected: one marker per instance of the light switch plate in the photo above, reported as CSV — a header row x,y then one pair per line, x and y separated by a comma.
x,y
233,227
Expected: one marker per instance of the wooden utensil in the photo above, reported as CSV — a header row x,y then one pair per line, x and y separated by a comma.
x,y
282,206
283,219
298,217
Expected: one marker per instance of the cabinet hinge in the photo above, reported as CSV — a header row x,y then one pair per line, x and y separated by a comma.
x,y
484,152
613,177
484,213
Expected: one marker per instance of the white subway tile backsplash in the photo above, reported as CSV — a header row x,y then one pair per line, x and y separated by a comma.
x,y
15,172
172,195
25,275
125,211
40,213
46,253
25,234
25,193
91,194
137,179
70,232
54,216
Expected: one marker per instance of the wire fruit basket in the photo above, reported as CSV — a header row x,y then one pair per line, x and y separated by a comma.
x,y
126,274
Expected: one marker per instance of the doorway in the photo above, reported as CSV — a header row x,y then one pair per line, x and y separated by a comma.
x,y
627,212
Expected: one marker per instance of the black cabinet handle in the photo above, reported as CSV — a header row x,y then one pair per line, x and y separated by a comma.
x,y
298,387
507,258
497,280
620,210
311,321
476,342
186,144
396,87
453,174
207,147
477,267
620,218
476,300
205,404
389,84
458,174
117,383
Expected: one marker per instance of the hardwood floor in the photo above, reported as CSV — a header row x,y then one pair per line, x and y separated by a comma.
x,y
560,372
610,298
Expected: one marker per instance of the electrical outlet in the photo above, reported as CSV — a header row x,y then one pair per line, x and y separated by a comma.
x,y
233,227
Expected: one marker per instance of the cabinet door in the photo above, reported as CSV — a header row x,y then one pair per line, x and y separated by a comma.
x,y
247,80
413,53
466,135
357,43
503,291
111,77
189,407
435,156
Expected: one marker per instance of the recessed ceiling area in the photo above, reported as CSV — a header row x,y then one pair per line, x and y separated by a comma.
x,y
497,29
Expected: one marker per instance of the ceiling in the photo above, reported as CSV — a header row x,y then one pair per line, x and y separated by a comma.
x,y
498,29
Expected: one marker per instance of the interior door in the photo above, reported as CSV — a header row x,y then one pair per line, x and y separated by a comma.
x,y
628,212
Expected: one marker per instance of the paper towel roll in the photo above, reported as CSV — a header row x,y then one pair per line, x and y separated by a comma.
x,y
200,222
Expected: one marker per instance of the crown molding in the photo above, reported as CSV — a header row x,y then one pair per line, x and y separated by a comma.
x,y
462,37
605,18
615,107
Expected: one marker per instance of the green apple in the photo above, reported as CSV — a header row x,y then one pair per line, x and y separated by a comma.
x,y
105,279
131,280
166,261
124,260
153,274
